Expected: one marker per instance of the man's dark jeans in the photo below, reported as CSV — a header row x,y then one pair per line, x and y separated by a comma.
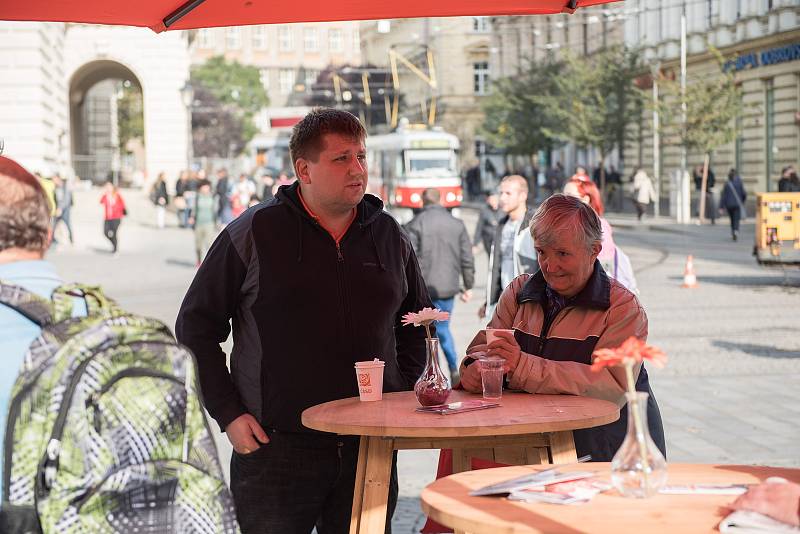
x,y
299,481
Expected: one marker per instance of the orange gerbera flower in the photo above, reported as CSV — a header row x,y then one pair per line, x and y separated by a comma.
x,y
632,351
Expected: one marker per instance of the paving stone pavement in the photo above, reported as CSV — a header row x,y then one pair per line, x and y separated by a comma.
x,y
730,392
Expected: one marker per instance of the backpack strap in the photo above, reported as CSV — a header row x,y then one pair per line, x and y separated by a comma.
x,y
30,305
96,301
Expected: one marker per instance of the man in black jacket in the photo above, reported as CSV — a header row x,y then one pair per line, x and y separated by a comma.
x,y
445,254
314,280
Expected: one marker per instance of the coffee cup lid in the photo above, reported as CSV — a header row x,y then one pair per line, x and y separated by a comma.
x,y
370,363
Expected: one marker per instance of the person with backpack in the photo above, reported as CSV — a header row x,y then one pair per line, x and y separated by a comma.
x,y
24,238
733,197
103,428
311,282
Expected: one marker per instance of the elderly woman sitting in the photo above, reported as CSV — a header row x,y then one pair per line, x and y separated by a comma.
x,y
560,315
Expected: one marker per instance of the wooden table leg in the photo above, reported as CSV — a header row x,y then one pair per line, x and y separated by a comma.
x,y
562,447
358,490
371,492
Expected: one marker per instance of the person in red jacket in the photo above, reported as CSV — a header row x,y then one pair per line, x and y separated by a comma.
x,y
113,212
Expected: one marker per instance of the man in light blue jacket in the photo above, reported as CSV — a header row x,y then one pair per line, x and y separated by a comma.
x,y
25,235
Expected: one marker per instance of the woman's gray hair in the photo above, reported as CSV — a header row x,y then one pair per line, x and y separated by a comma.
x,y
562,213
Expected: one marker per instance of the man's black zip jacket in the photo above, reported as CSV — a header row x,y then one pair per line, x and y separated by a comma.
x,y
303,311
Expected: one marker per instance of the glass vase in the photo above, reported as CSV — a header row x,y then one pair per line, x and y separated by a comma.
x,y
432,387
638,469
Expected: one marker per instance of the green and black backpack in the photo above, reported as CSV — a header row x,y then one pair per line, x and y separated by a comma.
x,y
106,432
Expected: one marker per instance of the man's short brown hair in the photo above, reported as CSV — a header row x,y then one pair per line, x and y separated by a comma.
x,y
306,141
24,209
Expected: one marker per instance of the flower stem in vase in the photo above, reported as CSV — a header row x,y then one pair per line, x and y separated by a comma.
x,y
637,422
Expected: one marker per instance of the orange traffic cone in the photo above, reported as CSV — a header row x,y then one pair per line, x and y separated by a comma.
x,y
689,276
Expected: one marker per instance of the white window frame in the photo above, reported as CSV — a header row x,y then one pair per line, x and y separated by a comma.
x,y
481,25
286,39
335,40
259,37
310,40
286,78
206,38
233,38
480,77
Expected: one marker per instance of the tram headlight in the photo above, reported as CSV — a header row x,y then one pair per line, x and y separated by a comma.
x,y
415,198
398,198
450,197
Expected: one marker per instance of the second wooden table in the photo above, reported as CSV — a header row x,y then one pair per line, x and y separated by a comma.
x,y
525,429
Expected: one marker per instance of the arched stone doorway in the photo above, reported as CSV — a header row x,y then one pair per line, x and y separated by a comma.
x,y
158,65
97,150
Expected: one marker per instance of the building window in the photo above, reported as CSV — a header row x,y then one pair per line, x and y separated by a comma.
x,y
311,76
264,77
285,39
481,24
259,34
205,38
769,98
335,40
233,38
310,40
286,81
481,77
712,12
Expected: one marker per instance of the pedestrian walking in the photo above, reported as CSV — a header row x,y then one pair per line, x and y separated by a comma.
x,y
642,192
241,194
612,258
204,220
311,282
512,252
732,200
222,193
711,209
488,218
789,182
113,212
63,196
445,256
554,178
182,199
472,180
160,198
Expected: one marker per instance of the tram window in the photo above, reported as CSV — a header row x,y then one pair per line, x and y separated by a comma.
x,y
422,161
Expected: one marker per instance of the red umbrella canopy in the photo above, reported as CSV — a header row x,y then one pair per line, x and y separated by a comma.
x,y
161,15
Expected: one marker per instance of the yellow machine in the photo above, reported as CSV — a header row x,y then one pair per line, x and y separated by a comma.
x,y
777,228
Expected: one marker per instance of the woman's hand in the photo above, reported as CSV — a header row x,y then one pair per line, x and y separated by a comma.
x,y
471,375
505,346
778,500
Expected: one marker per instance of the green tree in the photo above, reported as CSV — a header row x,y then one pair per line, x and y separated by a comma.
x,y
130,115
713,104
514,118
238,90
594,101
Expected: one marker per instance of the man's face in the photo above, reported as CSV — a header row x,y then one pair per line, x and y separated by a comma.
x,y
511,196
566,263
338,178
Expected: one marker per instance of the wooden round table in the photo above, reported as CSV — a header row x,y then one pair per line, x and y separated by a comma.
x,y
525,429
447,501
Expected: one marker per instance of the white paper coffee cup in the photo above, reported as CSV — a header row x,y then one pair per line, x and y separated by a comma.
x,y
369,377
491,336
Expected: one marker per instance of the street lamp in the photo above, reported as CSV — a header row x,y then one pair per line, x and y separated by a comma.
x,y
187,95
655,70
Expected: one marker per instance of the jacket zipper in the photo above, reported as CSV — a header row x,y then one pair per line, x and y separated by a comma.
x,y
545,329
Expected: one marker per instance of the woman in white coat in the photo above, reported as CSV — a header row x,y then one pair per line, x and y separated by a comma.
x,y
643,192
